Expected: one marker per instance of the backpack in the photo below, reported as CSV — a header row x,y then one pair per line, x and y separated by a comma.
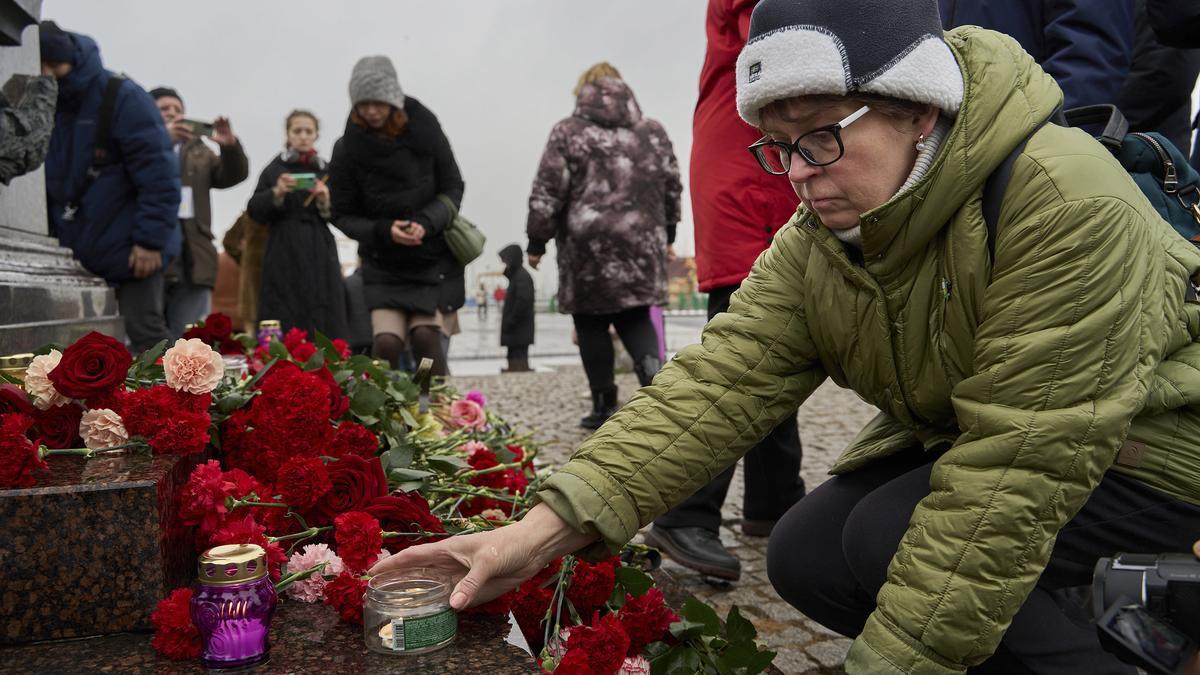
x,y
1161,171
100,154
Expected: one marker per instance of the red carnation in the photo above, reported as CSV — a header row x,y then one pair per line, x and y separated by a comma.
x,y
175,636
404,512
302,481
575,663
353,438
359,539
345,594
355,482
646,619
298,345
202,501
338,402
342,347
94,365
172,422
13,399
531,600
18,455
246,530
58,427
592,584
604,642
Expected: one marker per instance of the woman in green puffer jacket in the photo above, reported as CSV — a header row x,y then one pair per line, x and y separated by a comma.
x,y
1038,406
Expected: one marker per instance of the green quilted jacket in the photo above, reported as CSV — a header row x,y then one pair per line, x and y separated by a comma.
x,y
1073,352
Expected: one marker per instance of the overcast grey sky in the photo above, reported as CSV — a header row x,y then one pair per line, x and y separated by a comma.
x,y
498,74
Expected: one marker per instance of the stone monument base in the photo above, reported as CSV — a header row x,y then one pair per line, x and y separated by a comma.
x,y
93,547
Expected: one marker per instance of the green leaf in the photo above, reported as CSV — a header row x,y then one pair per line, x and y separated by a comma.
x,y
231,402
326,345
410,486
682,659
259,375
314,362
360,363
738,628
408,418
446,463
279,350
151,355
655,650
342,376
367,399
506,456
687,630
698,612
47,348
761,661
9,379
634,581
409,474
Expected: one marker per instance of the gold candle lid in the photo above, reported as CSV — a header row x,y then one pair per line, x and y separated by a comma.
x,y
16,361
232,564
268,323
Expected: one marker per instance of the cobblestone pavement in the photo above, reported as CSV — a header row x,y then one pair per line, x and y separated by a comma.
x,y
549,404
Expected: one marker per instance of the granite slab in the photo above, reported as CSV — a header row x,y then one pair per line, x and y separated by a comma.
x,y
93,547
304,639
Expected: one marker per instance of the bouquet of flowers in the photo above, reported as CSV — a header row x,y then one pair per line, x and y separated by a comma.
x,y
332,462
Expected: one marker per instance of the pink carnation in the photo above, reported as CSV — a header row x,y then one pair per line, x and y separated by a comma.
x,y
634,665
467,414
312,589
38,384
192,366
102,428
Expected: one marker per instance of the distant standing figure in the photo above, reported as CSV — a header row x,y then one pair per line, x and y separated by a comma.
x,y
481,302
607,191
302,283
516,320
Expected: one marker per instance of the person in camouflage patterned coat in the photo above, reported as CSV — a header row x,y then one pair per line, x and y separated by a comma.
x,y
607,191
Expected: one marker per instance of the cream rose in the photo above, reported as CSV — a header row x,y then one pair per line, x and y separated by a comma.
x,y
102,428
38,384
193,367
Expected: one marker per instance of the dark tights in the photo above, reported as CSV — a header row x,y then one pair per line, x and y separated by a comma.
x,y
828,557
595,347
424,342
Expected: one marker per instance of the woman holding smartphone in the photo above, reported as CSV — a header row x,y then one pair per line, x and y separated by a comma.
x,y
302,279
395,183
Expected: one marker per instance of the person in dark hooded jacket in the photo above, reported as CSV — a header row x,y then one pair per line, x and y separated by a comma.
x,y
123,225
394,181
516,321
607,191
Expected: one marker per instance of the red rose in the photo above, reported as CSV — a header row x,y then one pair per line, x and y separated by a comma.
x,y
94,365
58,427
358,539
301,481
18,455
175,636
219,326
405,512
13,399
574,663
646,619
246,530
345,594
353,438
592,584
604,642
355,482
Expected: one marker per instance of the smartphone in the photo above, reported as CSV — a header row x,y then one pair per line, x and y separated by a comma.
x,y
1139,638
304,181
199,128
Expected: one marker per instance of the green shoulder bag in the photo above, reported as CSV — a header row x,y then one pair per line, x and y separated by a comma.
x,y
465,240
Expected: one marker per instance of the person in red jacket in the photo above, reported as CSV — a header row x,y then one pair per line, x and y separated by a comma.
x,y
737,208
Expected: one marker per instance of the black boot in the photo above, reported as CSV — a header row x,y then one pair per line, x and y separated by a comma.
x,y
604,404
697,548
647,368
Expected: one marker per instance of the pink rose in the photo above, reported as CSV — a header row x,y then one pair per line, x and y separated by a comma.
x,y
635,665
193,367
467,415
38,384
102,428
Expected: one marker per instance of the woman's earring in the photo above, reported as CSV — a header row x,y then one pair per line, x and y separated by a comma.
x,y
921,143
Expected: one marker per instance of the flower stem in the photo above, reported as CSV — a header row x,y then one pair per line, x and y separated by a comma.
x,y
394,535
44,452
293,577
310,532
460,490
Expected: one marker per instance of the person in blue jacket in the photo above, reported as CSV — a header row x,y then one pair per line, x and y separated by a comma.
x,y
123,223
1085,45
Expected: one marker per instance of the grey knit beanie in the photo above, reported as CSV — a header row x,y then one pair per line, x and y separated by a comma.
x,y
374,79
805,47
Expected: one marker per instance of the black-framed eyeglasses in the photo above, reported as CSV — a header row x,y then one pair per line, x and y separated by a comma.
x,y
819,147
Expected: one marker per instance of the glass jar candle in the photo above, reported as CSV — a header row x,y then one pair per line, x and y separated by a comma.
x,y
232,606
408,612
268,330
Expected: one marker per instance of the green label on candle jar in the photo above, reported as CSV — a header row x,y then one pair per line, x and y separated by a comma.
x,y
419,632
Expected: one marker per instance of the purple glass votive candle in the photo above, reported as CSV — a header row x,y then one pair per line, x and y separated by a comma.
x,y
232,606
269,330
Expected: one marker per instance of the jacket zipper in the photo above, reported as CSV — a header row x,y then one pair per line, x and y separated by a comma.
x,y
1170,175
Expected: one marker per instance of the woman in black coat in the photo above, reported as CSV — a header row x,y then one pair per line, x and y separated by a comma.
x,y
516,321
395,182
301,279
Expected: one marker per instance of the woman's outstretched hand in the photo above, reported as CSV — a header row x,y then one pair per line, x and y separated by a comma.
x,y
490,564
